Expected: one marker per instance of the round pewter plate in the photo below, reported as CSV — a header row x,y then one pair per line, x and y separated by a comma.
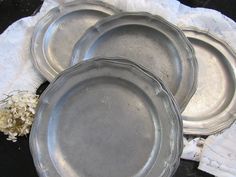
x,y
58,31
148,40
106,118
212,108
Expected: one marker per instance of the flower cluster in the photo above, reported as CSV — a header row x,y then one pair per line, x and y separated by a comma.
x,y
17,114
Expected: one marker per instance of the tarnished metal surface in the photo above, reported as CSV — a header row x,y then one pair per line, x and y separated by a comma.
x,y
58,31
148,40
212,108
106,118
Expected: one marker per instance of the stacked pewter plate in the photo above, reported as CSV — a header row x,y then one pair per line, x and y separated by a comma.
x,y
119,81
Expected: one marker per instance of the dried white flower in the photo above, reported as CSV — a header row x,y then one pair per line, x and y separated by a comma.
x,y
17,114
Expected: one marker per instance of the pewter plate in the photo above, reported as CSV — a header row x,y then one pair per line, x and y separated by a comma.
x,y
212,108
58,31
106,118
148,40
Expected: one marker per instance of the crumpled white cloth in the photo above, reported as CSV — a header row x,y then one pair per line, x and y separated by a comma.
x,y
18,73
219,154
216,154
16,69
193,148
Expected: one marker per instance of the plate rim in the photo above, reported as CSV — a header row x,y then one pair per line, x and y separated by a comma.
x,y
208,128
50,72
173,161
193,65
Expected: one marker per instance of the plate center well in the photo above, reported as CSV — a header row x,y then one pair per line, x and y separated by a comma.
x,y
107,124
145,46
215,83
65,32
